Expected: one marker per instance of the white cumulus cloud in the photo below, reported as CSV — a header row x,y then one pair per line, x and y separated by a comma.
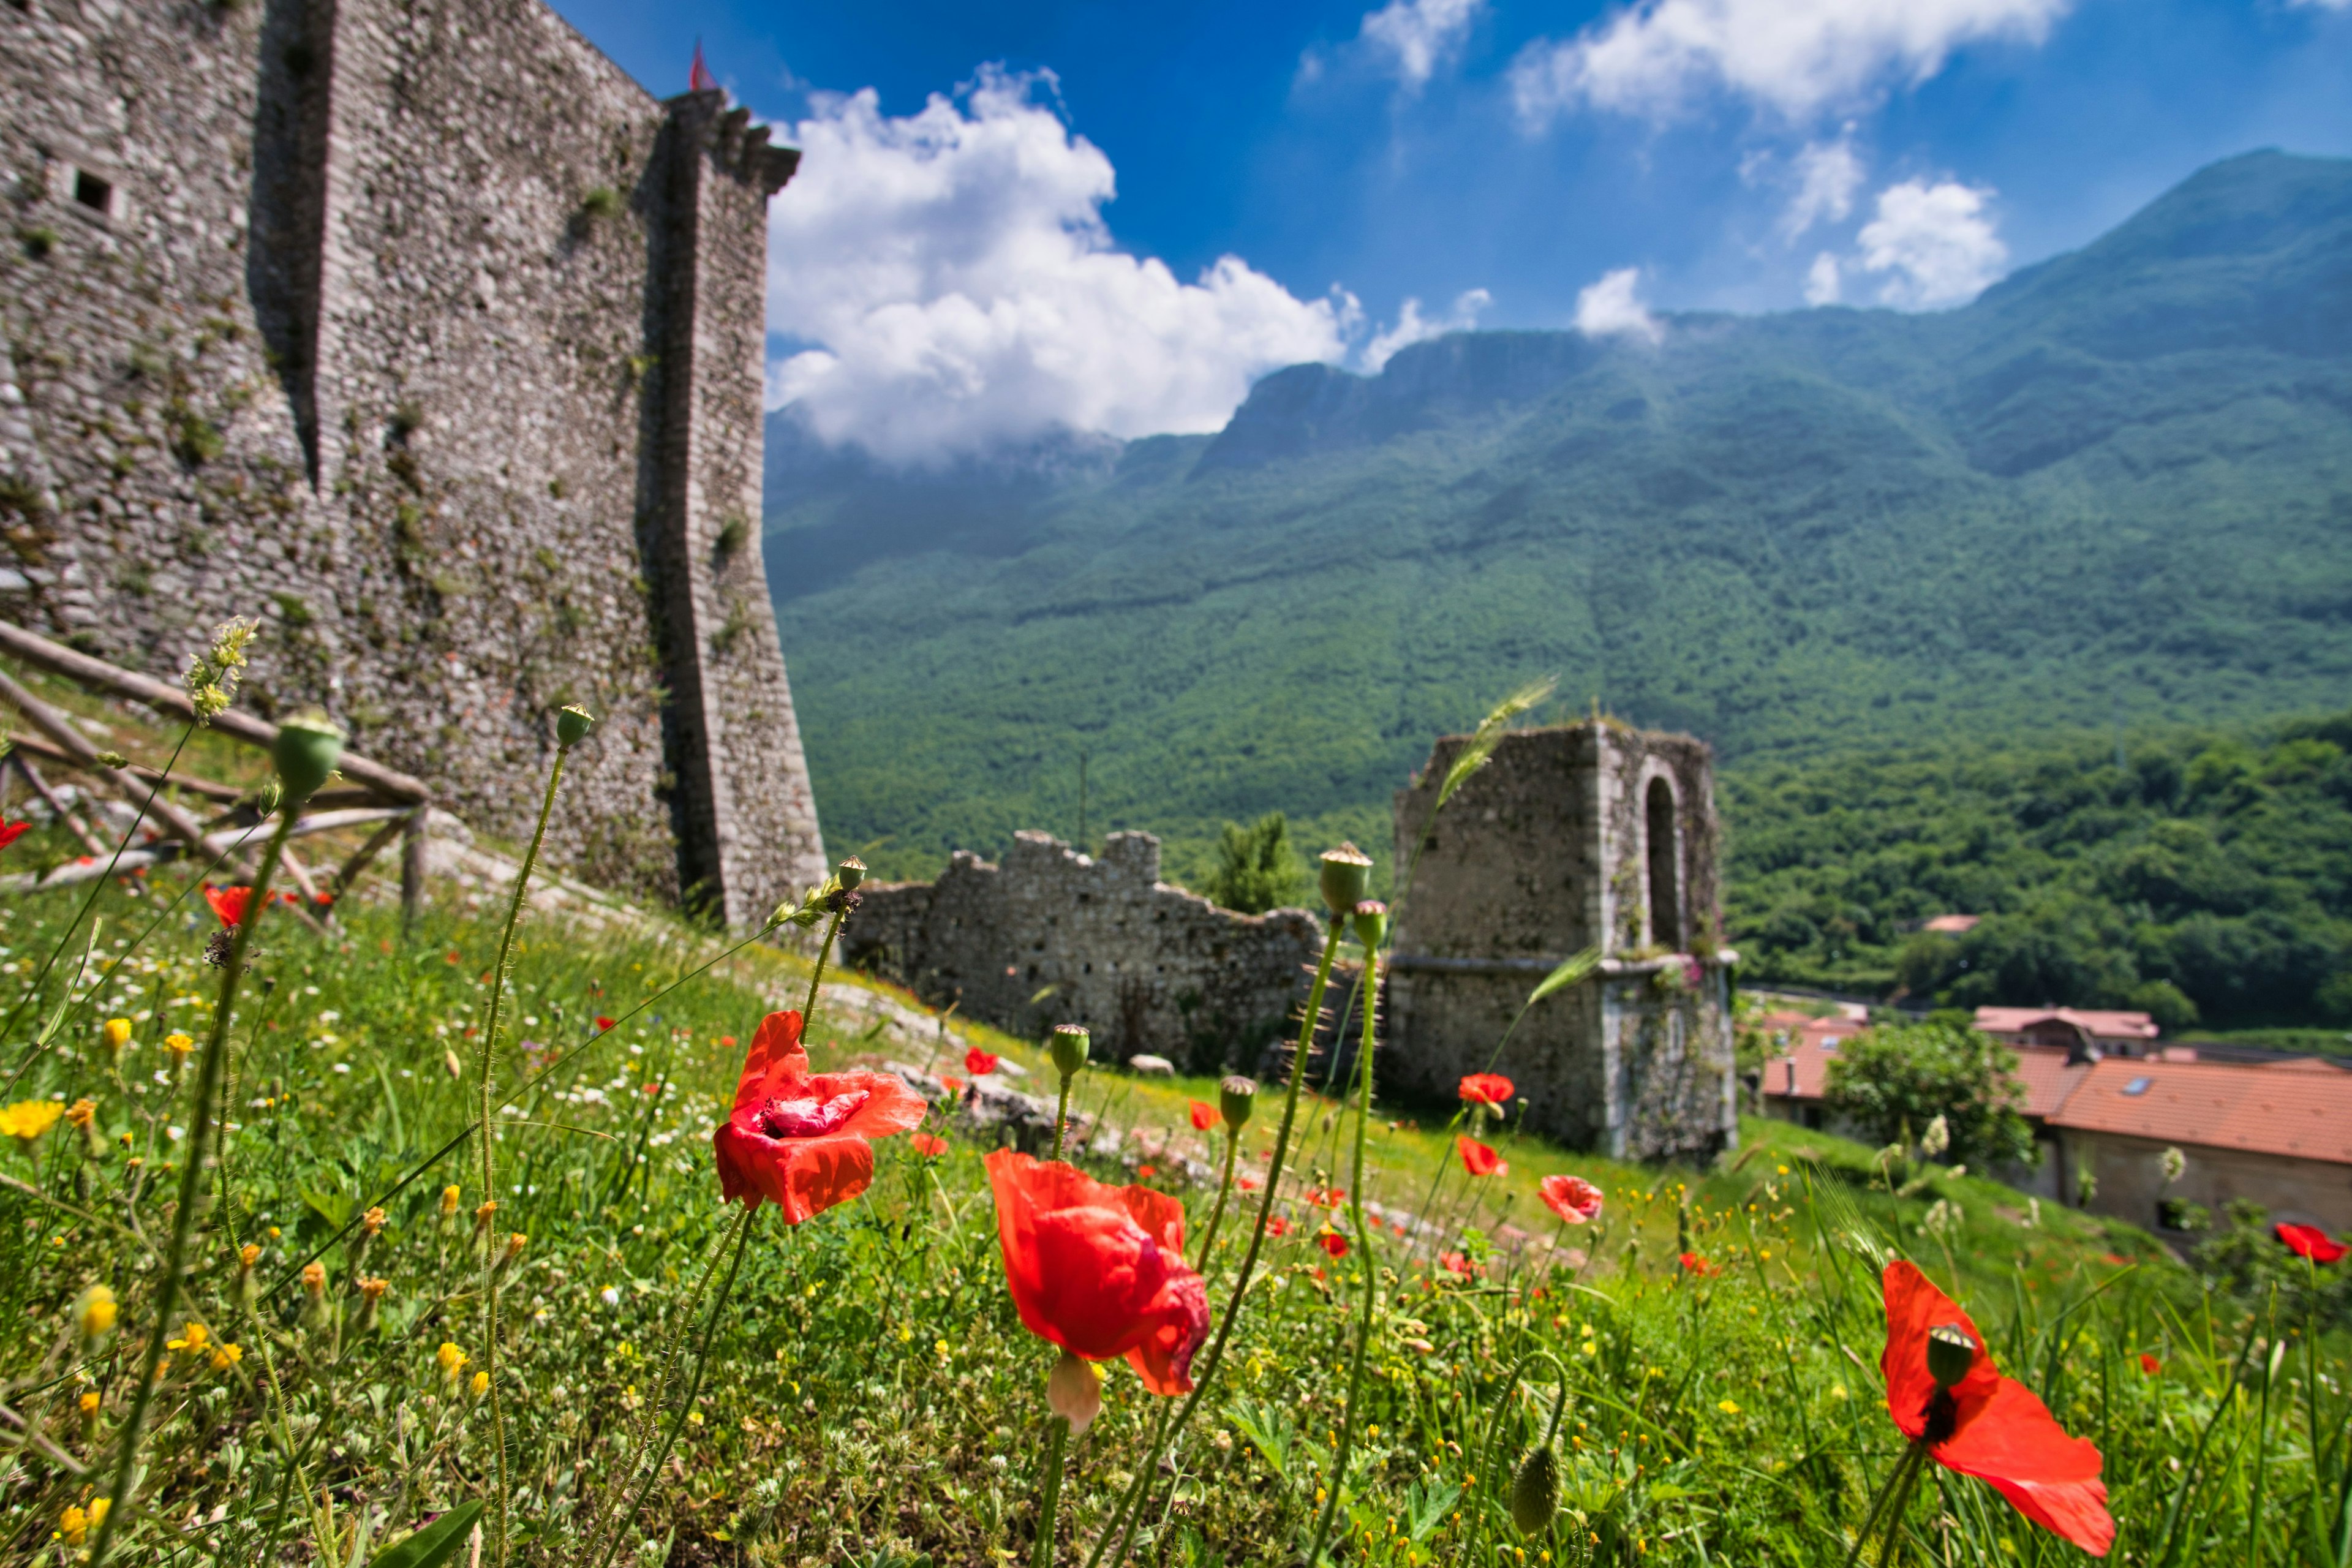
x,y
1822,281
1935,243
1654,58
1412,327
955,276
1613,307
1828,174
1419,33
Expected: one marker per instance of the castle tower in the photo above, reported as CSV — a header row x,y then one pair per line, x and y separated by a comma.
x,y
419,330
1585,835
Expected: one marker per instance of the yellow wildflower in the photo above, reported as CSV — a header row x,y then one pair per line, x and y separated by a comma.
x,y
1726,1407
77,1522
481,1384
80,1111
90,1401
192,1339
249,1254
97,1311
28,1119
179,1045
314,1279
118,1033
448,1201
371,1221
452,1360
373,1288
226,1356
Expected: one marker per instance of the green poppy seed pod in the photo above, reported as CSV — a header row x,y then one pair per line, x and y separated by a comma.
x,y
1070,1046
1372,922
572,726
1347,877
1951,1353
1237,1096
306,751
850,873
1535,1490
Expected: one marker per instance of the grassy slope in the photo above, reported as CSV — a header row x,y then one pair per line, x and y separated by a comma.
x,y
2114,488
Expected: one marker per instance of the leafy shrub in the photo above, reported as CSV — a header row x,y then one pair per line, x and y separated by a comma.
x,y
1258,868
1896,1080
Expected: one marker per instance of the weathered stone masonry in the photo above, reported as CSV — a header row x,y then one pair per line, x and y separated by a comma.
x,y
1147,967
420,330
1587,835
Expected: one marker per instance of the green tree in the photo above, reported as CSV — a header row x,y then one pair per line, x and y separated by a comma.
x,y
1257,870
1893,1080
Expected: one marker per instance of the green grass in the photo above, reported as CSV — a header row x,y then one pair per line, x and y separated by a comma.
x,y
872,1397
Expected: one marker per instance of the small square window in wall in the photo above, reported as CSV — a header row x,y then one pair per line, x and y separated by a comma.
x,y
90,191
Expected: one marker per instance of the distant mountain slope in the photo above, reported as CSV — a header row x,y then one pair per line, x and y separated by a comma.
x,y
2115,488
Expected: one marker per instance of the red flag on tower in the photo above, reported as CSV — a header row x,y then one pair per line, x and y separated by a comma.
x,y
700,80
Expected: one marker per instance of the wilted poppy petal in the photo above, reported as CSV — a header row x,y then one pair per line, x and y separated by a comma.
x,y
1572,1198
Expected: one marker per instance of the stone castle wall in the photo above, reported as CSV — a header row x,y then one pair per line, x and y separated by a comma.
x,y
419,330
1587,835
1147,967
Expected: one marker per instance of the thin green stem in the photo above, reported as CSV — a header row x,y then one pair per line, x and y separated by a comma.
x,y
1042,1557
1208,1367
1061,1116
498,975
96,886
183,1221
1898,1479
1371,1266
816,976
1217,1213
740,1237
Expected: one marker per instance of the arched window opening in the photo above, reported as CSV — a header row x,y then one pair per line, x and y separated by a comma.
x,y
1665,878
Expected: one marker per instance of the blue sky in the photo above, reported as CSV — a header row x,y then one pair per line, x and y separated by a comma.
x,y
960,274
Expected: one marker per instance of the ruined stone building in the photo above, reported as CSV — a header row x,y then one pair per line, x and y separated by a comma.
x,y
1055,937
419,330
1586,835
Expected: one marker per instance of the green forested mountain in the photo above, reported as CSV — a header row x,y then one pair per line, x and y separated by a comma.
x,y
2206,878
2114,491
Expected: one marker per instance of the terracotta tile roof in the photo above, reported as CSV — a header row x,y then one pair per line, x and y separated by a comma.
x,y
2098,1024
2299,1110
1801,1072
2048,1078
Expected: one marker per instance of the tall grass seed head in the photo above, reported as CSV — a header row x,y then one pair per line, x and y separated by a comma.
x,y
1937,1137
213,675
1236,1098
1069,1046
306,751
2173,1164
1535,1490
1346,877
571,725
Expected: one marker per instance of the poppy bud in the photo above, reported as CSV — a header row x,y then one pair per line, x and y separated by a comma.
x,y
1070,1046
1372,922
572,726
1951,1353
1347,877
307,749
850,873
1236,1097
1535,1490
1074,1393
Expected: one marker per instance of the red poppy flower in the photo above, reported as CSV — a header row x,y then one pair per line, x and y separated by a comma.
x,y
1277,1226
2150,1364
602,1024
1100,1270
1572,1198
727,1040
1333,1244
953,1085
1249,1184
1986,1425
1326,1197
979,1063
12,831
1204,1115
927,1146
799,1138
1455,1263
229,903
2309,1241
1147,1170
1486,1089
1479,1159
324,900
1694,1264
